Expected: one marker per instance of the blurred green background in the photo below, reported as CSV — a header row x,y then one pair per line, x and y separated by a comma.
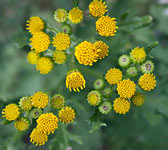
x,y
144,128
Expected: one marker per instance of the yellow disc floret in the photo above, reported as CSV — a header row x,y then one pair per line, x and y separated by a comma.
x,y
57,101
97,8
21,124
138,99
126,88
138,55
47,122
25,103
75,15
40,99
94,98
147,82
121,105
35,24
113,76
11,112
61,41
106,26
60,15
66,115
32,57
75,80
59,57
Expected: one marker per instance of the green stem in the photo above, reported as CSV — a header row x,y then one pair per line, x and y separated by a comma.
x,y
52,29
64,133
151,46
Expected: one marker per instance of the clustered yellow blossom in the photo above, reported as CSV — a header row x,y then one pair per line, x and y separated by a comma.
x,y
32,57
21,124
25,103
59,57
60,15
57,101
75,15
94,98
138,99
138,55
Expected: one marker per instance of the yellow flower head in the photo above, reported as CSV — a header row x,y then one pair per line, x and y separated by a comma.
x,y
147,82
38,136
97,8
138,55
75,80
138,99
35,24
11,112
75,15
121,105
86,53
61,41
32,57
106,26
66,115
25,103
44,65
57,101
59,57
21,124
60,15
94,98
103,49
40,42
113,76
39,99
126,88
47,122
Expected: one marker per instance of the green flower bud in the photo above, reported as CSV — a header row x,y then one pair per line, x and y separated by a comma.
x,y
60,15
66,29
105,107
98,84
35,113
107,92
124,61
94,98
147,67
132,71
57,101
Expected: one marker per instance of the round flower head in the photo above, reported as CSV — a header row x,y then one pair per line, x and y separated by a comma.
x,y
35,113
25,103
21,124
107,92
35,24
98,84
138,99
105,107
39,99
138,55
121,105
66,115
61,41
106,26
113,76
11,112
94,98
97,8
126,88
132,71
86,53
38,136
75,80
147,67
60,15
147,82
57,101
47,122
44,65
66,29
124,61
40,42
75,15
103,49
32,57
59,57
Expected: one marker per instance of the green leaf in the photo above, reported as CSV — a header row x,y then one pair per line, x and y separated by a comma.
x,y
5,122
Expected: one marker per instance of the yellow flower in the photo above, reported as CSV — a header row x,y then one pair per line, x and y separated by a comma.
x,y
11,112
97,8
147,82
61,41
35,24
57,101
59,57
121,105
75,80
40,42
38,136
32,57
66,115
138,99
138,55
103,49
47,122
106,26
39,99
126,88
21,124
94,98
86,53
75,15
60,15
44,65
113,76
25,103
